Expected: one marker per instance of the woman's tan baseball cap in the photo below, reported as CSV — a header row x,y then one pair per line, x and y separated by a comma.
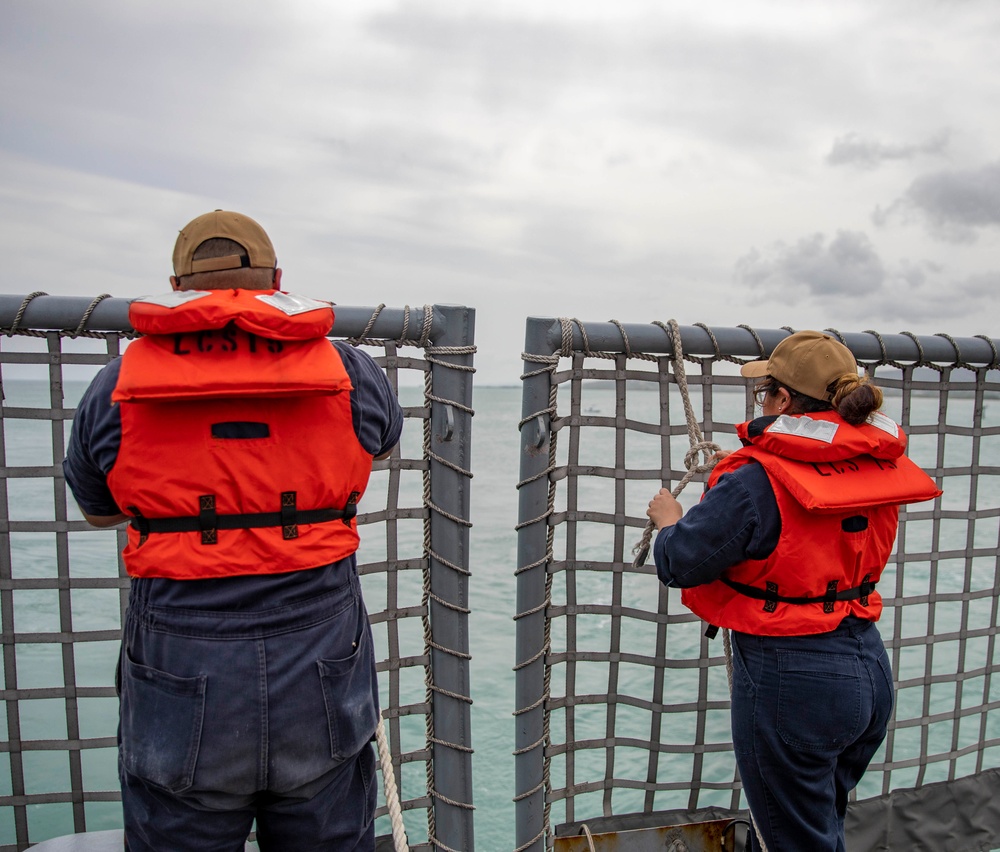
x,y
807,362
228,225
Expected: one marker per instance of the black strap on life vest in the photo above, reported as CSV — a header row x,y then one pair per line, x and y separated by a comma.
x,y
208,522
771,597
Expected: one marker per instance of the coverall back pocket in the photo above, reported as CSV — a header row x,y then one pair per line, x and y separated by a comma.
x,y
161,722
349,692
819,699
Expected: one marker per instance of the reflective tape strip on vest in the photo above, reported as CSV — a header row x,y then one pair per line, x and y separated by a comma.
x,y
268,313
238,454
839,517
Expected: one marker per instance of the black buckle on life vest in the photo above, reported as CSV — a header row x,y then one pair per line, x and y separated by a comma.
x,y
771,597
866,588
140,523
208,522
351,508
289,525
830,598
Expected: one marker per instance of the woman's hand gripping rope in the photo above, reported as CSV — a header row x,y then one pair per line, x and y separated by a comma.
x,y
664,510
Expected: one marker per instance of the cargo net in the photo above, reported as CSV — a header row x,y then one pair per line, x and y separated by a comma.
x,y
63,594
636,697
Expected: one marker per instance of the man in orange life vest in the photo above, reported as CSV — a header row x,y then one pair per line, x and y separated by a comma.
x,y
236,440
785,550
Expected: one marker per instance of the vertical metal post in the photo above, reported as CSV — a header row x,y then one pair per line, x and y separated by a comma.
x,y
451,449
56,404
11,733
532,564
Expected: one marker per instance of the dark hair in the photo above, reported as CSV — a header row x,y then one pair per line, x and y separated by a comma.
x,y
854,397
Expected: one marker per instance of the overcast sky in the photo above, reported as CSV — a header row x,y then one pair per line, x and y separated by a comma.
x,y
800,163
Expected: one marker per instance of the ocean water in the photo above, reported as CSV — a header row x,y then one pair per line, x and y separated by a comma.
x,y
496,448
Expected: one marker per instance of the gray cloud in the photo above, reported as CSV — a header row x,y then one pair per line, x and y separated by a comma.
x,y
854,149
505,62
760,85
844,278
406,157
527,156
846,265
86,91
928,294
954,204
165,96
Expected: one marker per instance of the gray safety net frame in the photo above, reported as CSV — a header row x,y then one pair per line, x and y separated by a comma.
x,y
621,702
63,589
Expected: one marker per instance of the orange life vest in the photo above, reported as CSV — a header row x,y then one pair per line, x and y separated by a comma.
x,y
838,489
238,452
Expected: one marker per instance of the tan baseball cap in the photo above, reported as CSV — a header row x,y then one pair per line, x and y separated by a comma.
x,y
807,362
228,225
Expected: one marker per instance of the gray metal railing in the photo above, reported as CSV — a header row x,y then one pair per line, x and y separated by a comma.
x,y
621,703
63,589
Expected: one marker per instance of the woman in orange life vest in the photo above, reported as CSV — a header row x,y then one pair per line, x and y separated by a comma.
x,y
785,549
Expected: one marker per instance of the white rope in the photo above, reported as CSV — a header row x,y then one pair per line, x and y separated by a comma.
x,y
698,445
697,441
399,841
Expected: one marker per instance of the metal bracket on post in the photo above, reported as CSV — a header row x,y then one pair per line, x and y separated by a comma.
x,y
449,423
541,432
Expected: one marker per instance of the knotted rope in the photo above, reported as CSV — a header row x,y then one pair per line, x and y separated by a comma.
x,y
708,449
